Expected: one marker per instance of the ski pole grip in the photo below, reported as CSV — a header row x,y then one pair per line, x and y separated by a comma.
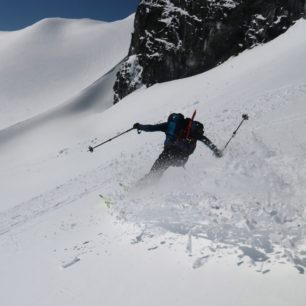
x,y
245,117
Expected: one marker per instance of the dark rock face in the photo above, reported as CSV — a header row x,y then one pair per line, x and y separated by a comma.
x,y
179,38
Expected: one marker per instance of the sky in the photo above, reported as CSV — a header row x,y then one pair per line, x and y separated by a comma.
x,y
17,14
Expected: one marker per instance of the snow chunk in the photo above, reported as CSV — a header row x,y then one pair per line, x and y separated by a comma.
x,y
230,4
169,8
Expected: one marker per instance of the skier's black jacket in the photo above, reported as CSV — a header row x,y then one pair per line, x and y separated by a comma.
x,y
183,145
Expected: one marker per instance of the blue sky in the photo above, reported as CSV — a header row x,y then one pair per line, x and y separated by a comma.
x,y
17,14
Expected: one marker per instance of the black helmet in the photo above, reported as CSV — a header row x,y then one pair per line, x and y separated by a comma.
x,y
176,117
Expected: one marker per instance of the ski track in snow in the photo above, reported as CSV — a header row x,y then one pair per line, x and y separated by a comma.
x,y
65,194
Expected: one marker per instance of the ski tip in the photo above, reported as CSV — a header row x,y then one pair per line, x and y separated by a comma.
x,y
107,201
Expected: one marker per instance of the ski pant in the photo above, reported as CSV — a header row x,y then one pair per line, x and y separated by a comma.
x,y
170,157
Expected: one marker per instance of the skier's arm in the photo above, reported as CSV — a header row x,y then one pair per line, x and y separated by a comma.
x,y
161,127
211,146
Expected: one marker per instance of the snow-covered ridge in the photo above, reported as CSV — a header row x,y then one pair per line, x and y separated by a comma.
x,y
53,60
57,22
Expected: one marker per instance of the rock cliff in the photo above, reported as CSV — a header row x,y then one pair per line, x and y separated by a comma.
x,y
174,39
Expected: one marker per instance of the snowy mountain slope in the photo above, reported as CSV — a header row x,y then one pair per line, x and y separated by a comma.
x,y
95,98
51,61
202,237
47,130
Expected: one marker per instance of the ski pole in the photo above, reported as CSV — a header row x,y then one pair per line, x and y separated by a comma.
x,y
190,124
244,117
91,149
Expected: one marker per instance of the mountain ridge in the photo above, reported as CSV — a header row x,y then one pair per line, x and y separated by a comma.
x,y
52,61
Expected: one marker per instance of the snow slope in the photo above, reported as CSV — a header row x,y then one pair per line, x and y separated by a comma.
x,y
51,61
227,231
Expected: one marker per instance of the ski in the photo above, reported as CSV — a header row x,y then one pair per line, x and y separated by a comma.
x,y
107,201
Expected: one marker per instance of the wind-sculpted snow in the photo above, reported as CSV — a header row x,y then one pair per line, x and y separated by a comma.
x,y
59,59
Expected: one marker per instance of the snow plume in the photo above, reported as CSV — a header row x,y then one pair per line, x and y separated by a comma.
x,y
261,225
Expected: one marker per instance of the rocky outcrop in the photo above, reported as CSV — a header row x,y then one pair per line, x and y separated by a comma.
x,y
174,39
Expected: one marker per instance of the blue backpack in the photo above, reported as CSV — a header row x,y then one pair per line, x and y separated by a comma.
x,y
183,132
175,125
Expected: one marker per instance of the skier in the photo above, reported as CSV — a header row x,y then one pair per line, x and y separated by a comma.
x,y
182,135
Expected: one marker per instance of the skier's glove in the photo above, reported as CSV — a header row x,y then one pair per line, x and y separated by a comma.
x,y
218,153
136,126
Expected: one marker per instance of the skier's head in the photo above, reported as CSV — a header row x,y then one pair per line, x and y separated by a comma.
x,y
176,117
